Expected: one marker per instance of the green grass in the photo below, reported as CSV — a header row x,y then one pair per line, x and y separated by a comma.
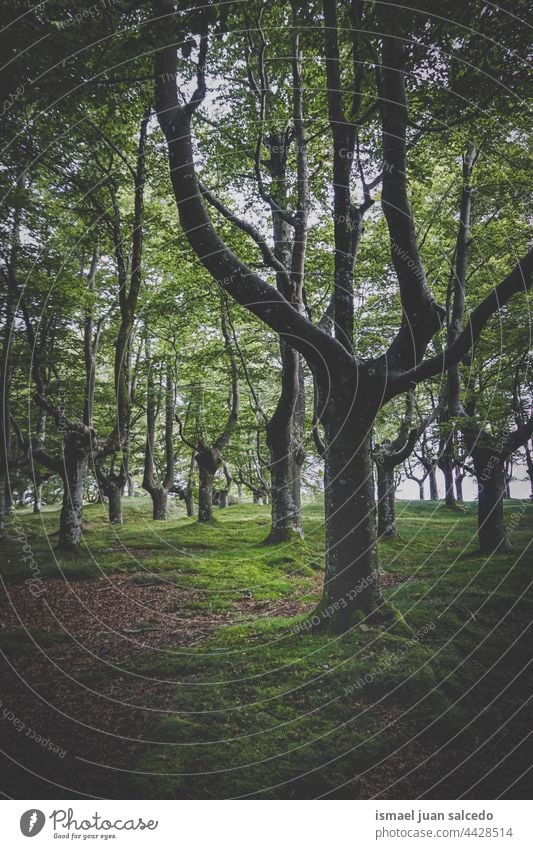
x,y
265,708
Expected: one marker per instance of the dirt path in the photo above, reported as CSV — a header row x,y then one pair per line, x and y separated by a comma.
x,y
67,701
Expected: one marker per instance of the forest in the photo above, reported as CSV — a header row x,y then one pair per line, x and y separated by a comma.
x,y
266,467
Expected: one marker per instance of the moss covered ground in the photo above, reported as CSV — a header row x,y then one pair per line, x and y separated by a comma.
x,y
202,679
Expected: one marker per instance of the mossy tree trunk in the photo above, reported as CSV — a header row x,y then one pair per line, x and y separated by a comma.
x,y
75,462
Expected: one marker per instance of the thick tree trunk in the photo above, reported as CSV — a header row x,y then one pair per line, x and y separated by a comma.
x,y
205,494
159,496
386,508
70,520
351,580
209,461
446,467
491,489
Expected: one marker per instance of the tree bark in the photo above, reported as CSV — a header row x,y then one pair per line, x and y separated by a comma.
x,y
285,499
188,498
459,477
37,497
3,510
490,472
71,517
114,495
351,580
208,461
433,485
446,467
386,508
159,496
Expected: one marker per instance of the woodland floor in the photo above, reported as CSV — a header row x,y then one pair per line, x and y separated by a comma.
x,y
171,660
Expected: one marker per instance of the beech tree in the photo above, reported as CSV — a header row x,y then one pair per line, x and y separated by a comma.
x,y
351,389
389,454
208,453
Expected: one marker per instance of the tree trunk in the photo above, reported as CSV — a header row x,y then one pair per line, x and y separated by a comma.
x,y
209,461
114,495
529,466
433,486
205,494
421,493
351,581
446,467
459,487
386,508
286,513
37,497
159,496
70,520
3,510
188,498
491,489
286,454
239,493
257,497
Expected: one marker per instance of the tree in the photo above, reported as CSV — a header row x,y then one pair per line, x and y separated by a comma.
x,y
208,454
113,482
351,390
159,489
387,456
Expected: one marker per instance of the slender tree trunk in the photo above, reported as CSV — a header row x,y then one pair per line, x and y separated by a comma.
x,y
37,497
508,476
459,486
225,493
239,493
188,498
529,465
286,513
491,489
433,486
386,507
3,510
257,497
286,455
70,520
421,493
114,495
